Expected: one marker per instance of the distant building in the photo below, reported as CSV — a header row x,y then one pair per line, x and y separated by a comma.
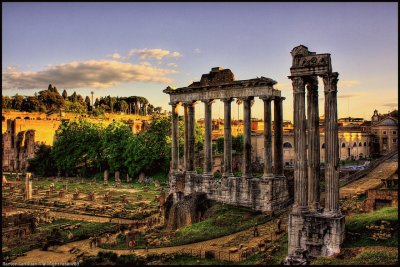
x,y
385,131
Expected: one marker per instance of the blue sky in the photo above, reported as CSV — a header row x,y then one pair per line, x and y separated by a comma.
x,y
124,49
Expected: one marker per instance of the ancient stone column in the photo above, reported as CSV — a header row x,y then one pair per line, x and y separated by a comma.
x,y
185,149
313,143
227,138
267,138
331,145
106,174
175,137
300,167
278,140
191,140
246,167
207,137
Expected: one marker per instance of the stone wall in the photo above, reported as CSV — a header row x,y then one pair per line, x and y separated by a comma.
x,y
381,195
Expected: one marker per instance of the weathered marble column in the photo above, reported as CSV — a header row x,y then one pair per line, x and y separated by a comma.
x,y
191,140
185,147
267,137
278,140
246,165
331,146
175,137
313,143
300,167
207,137
227,138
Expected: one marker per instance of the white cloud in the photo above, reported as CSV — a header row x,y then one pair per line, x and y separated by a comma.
x,y
197,51
348,95
86,74
174,65
153,53
116,56
12,68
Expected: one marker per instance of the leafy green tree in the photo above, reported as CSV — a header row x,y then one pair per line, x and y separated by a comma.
x,y
113,145
65,95
237,143
75,107
6,102
87,102
78,144
123,106
113,100
43,163
149,151
17,101
51,99
30,103
220,144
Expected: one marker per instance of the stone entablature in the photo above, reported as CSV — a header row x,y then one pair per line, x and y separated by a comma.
x,y
266,194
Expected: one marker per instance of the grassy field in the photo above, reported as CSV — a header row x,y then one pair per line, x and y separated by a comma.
x,y
363,258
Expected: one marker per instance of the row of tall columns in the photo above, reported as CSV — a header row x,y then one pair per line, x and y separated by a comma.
x,y
189,139
307,162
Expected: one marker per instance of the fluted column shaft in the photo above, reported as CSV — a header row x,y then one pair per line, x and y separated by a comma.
x,y
267,137
185,148
246,167
313,143
175,137
207,137
227,137
331,145
278,140
300,167
191,140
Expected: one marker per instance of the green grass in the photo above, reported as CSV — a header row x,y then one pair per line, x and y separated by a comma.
x,y
357,224
226,219
363,258
185,259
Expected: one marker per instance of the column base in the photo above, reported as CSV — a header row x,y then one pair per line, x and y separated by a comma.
x,y
268,176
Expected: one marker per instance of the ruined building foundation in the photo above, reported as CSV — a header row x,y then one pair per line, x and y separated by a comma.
x,y
268,193
312,229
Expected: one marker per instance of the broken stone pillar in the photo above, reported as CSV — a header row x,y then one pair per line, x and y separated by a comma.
x,y
28,186
331,146
128,179
313,143
106,174
117,177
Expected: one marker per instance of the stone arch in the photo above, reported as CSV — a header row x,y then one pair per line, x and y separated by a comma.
x,y
365,143
343,144
355,144
287,145
323,146
3,118
360,144
27,118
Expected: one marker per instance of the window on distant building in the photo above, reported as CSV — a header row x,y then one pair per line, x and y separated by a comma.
x,y
384,132
394,140
384,141
360,144
394,132
343,145
365,143
355,144
375,132
323,146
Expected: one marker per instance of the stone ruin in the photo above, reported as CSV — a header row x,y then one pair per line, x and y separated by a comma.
x,y
106,175
268,193
312,229
117,179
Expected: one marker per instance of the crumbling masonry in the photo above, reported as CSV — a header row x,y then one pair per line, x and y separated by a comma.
x,y
267,193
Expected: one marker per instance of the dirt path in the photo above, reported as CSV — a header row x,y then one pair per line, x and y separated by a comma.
x,y
61,254
371,180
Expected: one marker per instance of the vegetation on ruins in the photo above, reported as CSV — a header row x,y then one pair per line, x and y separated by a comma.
x,y
50,100
237,144
43,163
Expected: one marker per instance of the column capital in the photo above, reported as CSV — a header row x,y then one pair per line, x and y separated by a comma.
x,y
189,103
279,98
176,103
208,101
330,81
266,97
246,98
298,84
226,99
